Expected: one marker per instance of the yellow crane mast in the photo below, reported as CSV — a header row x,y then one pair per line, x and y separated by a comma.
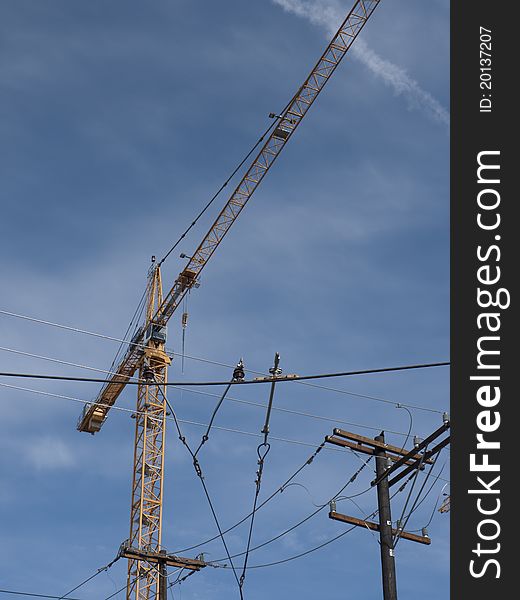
x,y
146,351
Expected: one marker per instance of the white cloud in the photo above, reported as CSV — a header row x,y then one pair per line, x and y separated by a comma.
x,y
47,453
328,15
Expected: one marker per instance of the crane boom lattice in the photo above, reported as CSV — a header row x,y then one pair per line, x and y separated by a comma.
x,y
146,351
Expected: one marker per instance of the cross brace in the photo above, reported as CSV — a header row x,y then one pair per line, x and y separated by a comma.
x,y
361,439
375,527
170,560
358,447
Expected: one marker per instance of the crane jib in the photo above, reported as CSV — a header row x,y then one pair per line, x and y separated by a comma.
x,y
287,122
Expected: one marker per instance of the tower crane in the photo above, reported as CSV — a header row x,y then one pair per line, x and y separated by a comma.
x,y
146,351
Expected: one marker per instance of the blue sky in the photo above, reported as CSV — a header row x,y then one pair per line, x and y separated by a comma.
x,y
120,120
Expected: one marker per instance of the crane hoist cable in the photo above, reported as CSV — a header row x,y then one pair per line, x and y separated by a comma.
x,y
221,188
184,325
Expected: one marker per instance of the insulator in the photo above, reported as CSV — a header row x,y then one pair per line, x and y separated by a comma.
x,y
388,463
425,532
184,319
399,525
416,440
332,506
238,373
445,418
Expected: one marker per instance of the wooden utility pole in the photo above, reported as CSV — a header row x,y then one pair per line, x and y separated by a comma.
x,y
159,561
385,524
163,577
388,460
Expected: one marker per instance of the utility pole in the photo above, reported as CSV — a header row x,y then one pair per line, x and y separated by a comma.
x,y
389,459
163,577
385,524
158,563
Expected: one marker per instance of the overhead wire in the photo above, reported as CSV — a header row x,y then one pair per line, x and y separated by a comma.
x,y
206,393
136,317
437,477
416,501
68,328
410,424
262,451
198,471
244,382
237,374
56,360
322,387
102,336
33,595
184,421
98,571
309,516
416,474
122,589
279,490
403,525
319,547
219,191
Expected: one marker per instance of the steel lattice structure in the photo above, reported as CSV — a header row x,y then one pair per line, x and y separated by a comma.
x,y
146,350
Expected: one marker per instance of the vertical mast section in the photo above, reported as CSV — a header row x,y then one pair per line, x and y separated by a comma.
x,y
150,421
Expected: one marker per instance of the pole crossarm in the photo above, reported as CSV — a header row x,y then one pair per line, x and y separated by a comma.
x,y
427,456
375,527
157,558
358,447
413,453
362,441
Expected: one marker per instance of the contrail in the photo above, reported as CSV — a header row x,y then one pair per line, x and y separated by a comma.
x,y
329,14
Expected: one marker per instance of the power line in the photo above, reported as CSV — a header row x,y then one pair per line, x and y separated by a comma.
x,y
415,503
122,589
34,595
198,471
279,490
262,451
136,317
319,547
308,517
130,343
244,382
230,398
289,411
56,360
101,570
67,327
322,387
184,421
238,373
437,477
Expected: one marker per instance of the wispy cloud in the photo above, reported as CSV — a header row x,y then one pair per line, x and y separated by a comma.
x,y
48,453
328,14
